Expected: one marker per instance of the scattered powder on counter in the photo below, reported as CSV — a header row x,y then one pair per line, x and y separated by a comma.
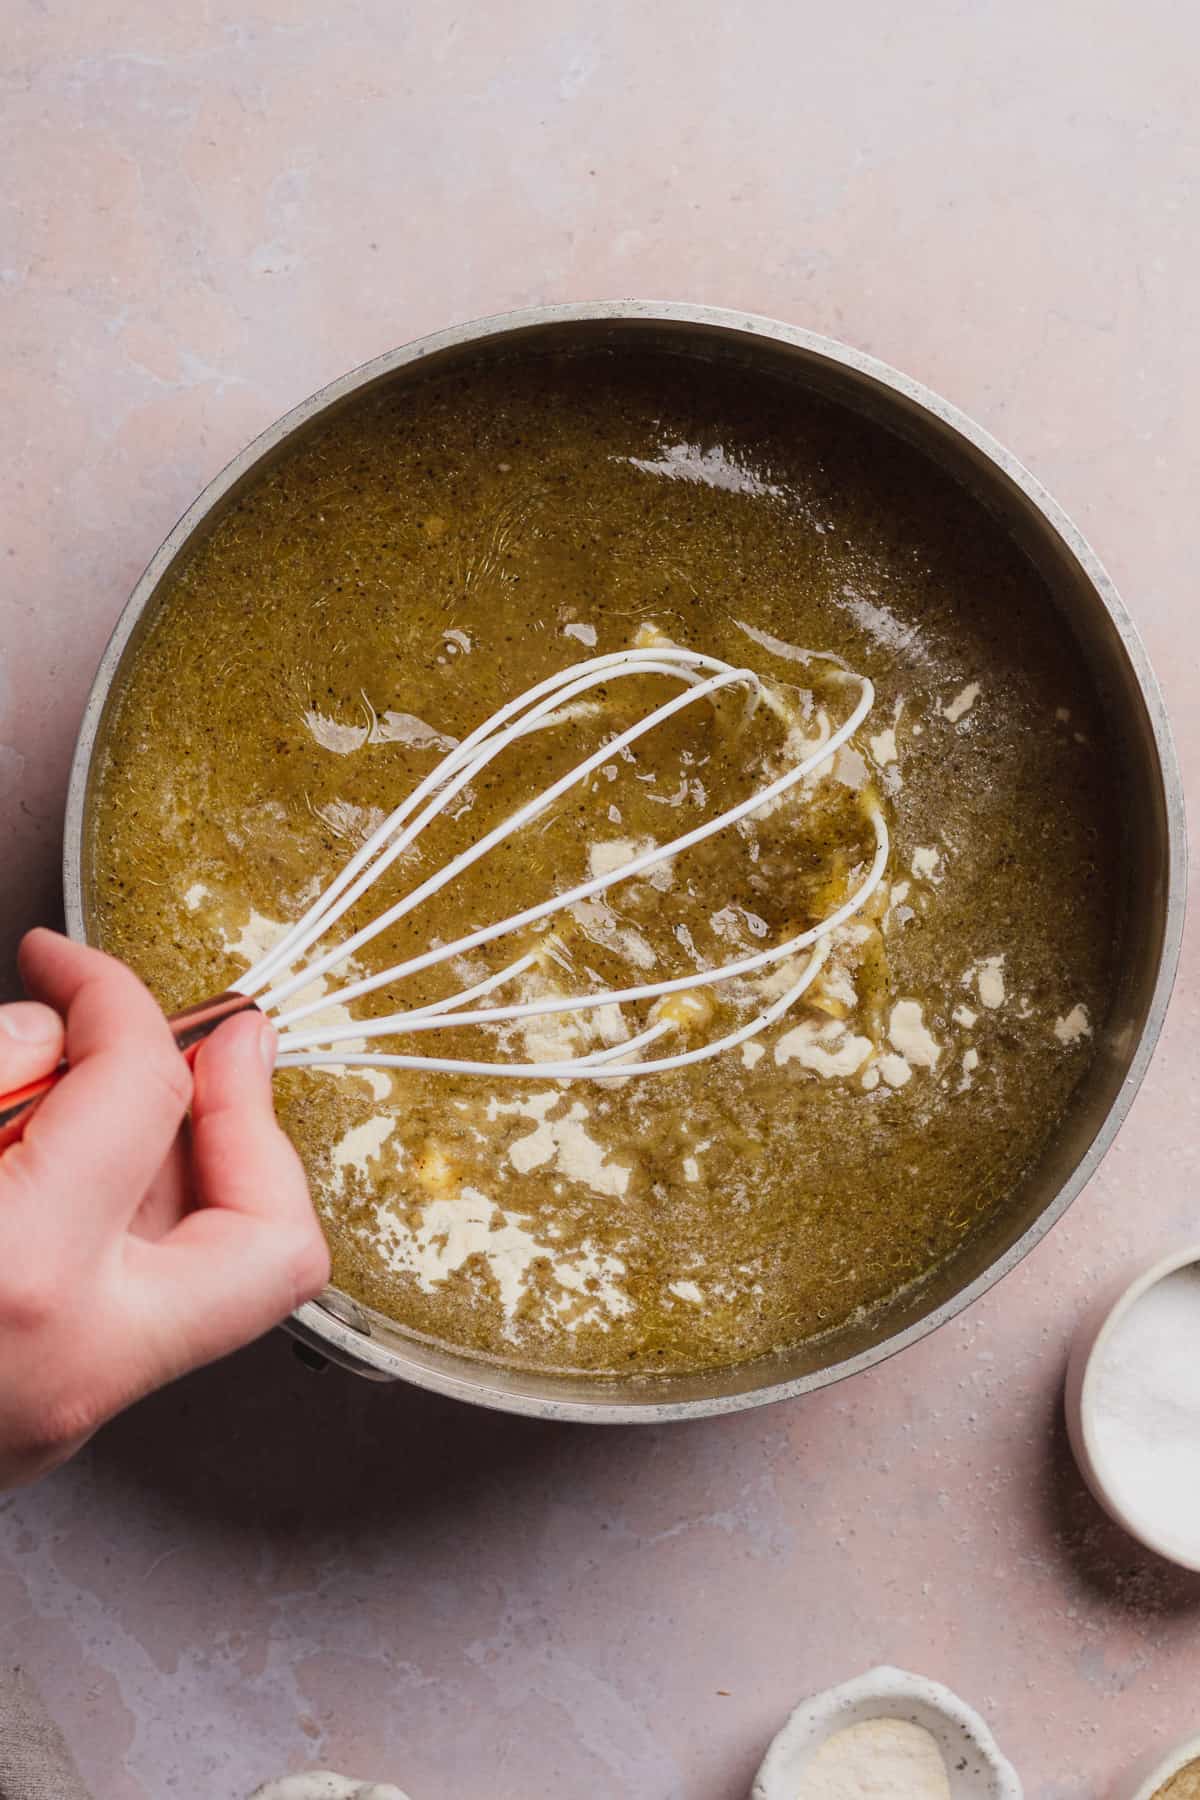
x,y
1183,1785
881,1759
583,634
752,1053
964,1016
1147,1410
925,862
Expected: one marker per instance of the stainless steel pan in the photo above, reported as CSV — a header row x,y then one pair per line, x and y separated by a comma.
x,y
1154,857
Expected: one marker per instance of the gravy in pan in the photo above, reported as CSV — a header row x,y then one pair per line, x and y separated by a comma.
x,y
425,558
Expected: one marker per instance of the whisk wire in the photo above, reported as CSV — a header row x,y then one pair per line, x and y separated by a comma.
x,y
538,702
542,708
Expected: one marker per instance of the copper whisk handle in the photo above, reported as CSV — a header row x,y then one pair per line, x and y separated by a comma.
x,y
189,1028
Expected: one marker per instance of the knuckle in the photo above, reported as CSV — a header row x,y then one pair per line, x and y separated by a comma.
x,y
53,1423
169,1078
32,1295
62,1421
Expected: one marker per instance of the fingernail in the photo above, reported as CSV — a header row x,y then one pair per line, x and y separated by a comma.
x,y
29,1023
267,1045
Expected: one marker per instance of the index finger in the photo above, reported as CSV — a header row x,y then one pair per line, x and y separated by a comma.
x,y
100,1136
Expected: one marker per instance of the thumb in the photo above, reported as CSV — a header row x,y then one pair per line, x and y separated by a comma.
x,y
31,1043
243,1162
253,1248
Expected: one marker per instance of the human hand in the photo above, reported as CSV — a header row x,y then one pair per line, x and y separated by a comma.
x,y
135,1243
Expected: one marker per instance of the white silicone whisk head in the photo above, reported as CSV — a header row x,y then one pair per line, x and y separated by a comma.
x,y
674,1008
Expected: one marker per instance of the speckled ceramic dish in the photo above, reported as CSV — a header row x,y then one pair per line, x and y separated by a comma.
x,y
975,1769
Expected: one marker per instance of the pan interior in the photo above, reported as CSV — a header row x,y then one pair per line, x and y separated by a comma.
x,y
407,565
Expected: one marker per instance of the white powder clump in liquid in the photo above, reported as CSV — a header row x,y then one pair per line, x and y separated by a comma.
x,y
894,1069
909,1035
883,746
467,1225
686,1290
1147,1410
361,1144
962,703
881,1759
614,853
1074,1026
577,1155
989,980
824,1049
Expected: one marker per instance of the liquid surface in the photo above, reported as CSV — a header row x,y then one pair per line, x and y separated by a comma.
x,y
431,555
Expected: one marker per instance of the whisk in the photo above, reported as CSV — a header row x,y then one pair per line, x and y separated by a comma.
x,y
274,982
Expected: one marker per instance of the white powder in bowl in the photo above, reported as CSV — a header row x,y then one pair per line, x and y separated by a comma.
x,y
1147,1410
881,1759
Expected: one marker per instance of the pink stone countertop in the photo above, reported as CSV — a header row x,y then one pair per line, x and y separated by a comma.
x,y
210,211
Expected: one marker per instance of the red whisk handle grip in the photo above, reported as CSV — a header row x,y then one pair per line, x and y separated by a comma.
x,y
189,1029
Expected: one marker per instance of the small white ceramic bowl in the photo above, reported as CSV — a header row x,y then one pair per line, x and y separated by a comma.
x,y
974,1766
1155,1770
1087,1352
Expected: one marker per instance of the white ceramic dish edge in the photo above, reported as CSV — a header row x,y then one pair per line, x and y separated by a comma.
x,y
1097,1326
1154,1769
322,1784
974,1765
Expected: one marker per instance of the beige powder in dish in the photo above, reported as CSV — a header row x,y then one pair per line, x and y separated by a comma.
x,y
880,1759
